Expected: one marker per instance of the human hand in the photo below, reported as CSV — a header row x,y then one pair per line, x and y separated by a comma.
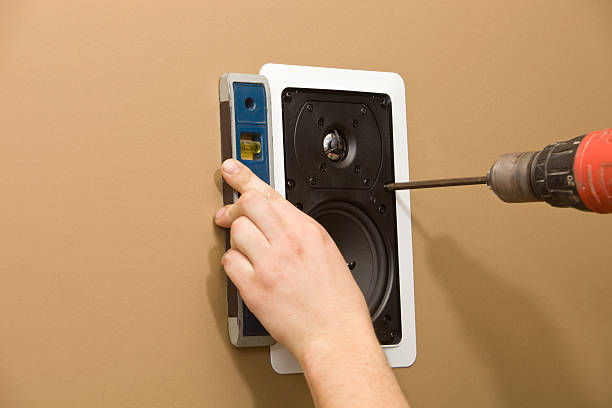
x,y
288,269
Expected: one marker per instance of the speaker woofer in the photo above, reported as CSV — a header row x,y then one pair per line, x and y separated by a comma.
x,y
363,248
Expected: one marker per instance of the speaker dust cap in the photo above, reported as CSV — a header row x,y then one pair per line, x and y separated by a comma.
x,y
362,247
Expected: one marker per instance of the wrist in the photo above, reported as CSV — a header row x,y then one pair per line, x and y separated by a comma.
x,y
323,353
350,374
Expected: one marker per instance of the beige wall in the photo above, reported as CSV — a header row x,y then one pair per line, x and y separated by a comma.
x,y
110,289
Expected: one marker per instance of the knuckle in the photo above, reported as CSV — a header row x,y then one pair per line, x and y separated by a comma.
x,y
324,235
249,197
268,281
230,264
315,233
296,247
314,229
272,195
264,265
273,272
239,224
228,258
227,213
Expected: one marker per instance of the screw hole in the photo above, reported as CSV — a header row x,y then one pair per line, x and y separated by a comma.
x,y
249,103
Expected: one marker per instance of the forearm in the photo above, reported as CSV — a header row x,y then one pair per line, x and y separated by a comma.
x,y
289,272
353,374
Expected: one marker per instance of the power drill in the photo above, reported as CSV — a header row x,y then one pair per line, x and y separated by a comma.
x,y
576,173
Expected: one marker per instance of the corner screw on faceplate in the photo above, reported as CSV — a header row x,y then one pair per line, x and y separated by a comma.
x,y
290,184
383,102
355,123
287,96
312,180
357,169
309,107
364,110
382,209
366,181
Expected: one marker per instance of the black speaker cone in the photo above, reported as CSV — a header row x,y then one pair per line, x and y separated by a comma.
x,y
362,246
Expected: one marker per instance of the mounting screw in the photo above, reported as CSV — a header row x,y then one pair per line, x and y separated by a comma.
x,y
355,123
312,180
383,103
387,319
287,96
323,167
382,209
357,169
366,181
364,110
290,184
321,122
309,107
392,334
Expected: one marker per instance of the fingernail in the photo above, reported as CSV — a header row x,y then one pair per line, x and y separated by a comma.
x,y
220,213
230,166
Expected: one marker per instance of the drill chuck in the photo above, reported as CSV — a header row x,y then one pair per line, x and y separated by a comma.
x,y
510,177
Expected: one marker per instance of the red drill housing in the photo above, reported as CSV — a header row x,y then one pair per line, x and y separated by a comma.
x,y
593,171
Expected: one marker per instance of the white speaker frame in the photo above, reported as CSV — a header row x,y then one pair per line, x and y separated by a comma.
x,y
292,76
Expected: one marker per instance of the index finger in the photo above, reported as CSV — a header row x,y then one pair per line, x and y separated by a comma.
x,y
242,179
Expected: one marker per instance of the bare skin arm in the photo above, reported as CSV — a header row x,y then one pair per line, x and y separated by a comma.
x,y
289,273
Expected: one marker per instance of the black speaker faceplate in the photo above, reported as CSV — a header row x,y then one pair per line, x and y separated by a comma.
x,y
363,249
347,196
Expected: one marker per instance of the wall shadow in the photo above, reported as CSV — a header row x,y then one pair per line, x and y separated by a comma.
x,y
517,339
267,388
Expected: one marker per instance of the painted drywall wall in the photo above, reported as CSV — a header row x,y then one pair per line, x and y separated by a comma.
x,y
110,289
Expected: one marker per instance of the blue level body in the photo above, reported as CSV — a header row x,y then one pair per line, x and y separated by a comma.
x,y
251,120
